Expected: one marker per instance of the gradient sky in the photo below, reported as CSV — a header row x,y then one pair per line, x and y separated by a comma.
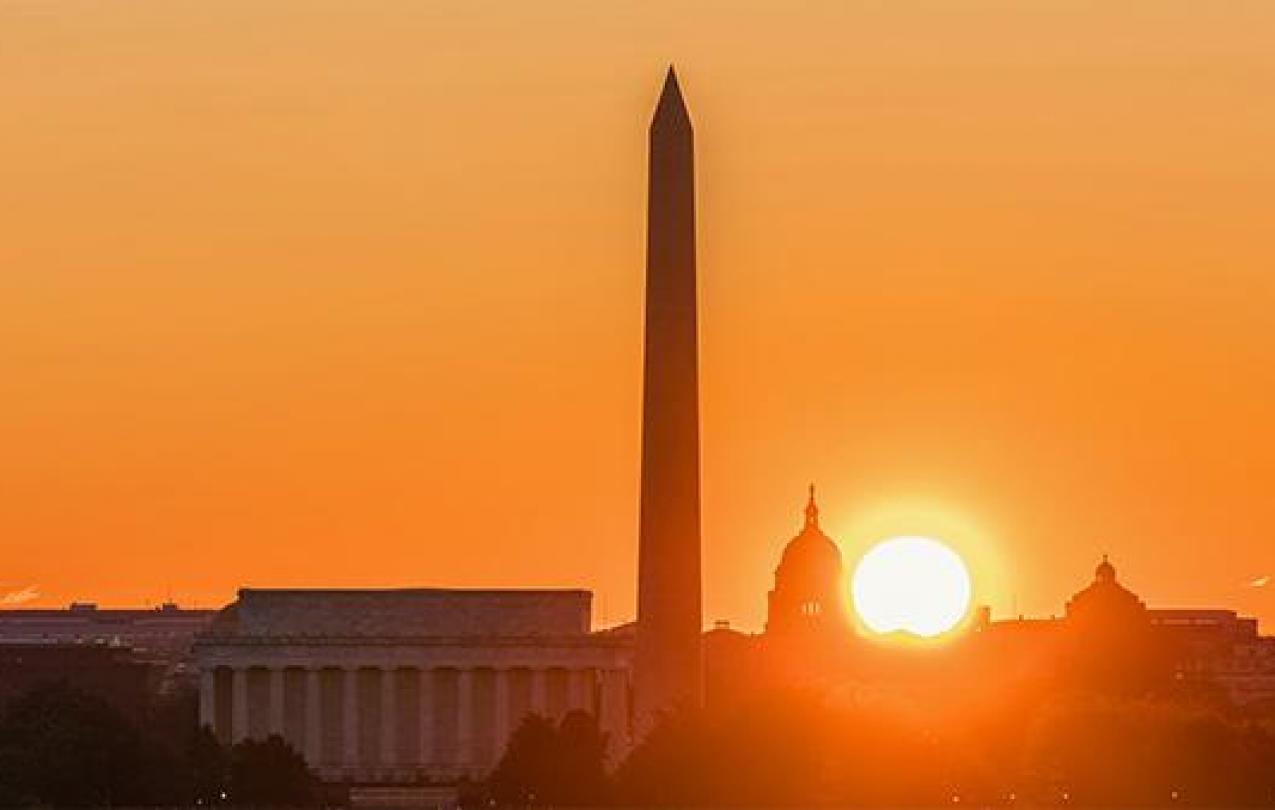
x,y
336,293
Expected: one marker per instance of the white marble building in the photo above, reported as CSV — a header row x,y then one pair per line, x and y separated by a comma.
x,y
402,686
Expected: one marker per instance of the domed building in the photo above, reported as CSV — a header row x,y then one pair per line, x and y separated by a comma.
x,y
1108,644
809,596
1106,603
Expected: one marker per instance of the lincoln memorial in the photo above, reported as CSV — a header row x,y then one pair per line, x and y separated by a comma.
x,y
401,686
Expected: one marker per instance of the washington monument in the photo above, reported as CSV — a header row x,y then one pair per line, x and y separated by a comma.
x,y
667,667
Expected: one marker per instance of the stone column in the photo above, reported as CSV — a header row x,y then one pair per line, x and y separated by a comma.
x,y
208,698
614,712
238,705
501,714
465,719
576,687
276,701
389,717
426,736
313,717
350,717
540,692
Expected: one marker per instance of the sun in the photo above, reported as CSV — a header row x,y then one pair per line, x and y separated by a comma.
x,y
913,585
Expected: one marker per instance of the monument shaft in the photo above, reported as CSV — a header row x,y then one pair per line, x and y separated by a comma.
x,y
668,667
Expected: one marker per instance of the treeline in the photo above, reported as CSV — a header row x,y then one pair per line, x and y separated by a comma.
x,y
806,749
61,747
846,747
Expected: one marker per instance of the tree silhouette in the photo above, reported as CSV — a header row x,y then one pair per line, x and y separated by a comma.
x,y
62,747
270,773
785,748
1104,751
855,748
582,760
548,765
525,773
208,768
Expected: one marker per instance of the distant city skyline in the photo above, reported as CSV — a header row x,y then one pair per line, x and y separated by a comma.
x,y
969,289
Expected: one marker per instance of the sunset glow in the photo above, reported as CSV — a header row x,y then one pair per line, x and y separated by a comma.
x,y
913,585
637,405
353,298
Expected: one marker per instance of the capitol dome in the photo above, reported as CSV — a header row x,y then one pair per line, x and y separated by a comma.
x,y
811,556
810,588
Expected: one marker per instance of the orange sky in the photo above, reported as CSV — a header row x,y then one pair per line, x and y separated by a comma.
x,y
335,293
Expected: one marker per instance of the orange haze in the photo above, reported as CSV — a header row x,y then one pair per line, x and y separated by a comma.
x,y
320,293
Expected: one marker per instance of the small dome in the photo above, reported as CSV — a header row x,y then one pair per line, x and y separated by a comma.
x,y
1105,597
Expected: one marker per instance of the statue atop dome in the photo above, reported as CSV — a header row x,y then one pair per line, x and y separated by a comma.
x,y
1105,572
812,510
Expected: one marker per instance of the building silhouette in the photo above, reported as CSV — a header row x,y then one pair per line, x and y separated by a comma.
x,y
808,630
1106,604
809,597
397,687
159,637
1106,641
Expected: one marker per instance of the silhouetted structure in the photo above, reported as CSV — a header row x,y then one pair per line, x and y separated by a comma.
x,y
730,665
396,687
164,635
1222,649
808,615
809,598
1107,643
1107,604
667,665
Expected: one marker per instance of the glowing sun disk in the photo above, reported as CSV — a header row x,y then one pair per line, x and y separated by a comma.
x,y
911,584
